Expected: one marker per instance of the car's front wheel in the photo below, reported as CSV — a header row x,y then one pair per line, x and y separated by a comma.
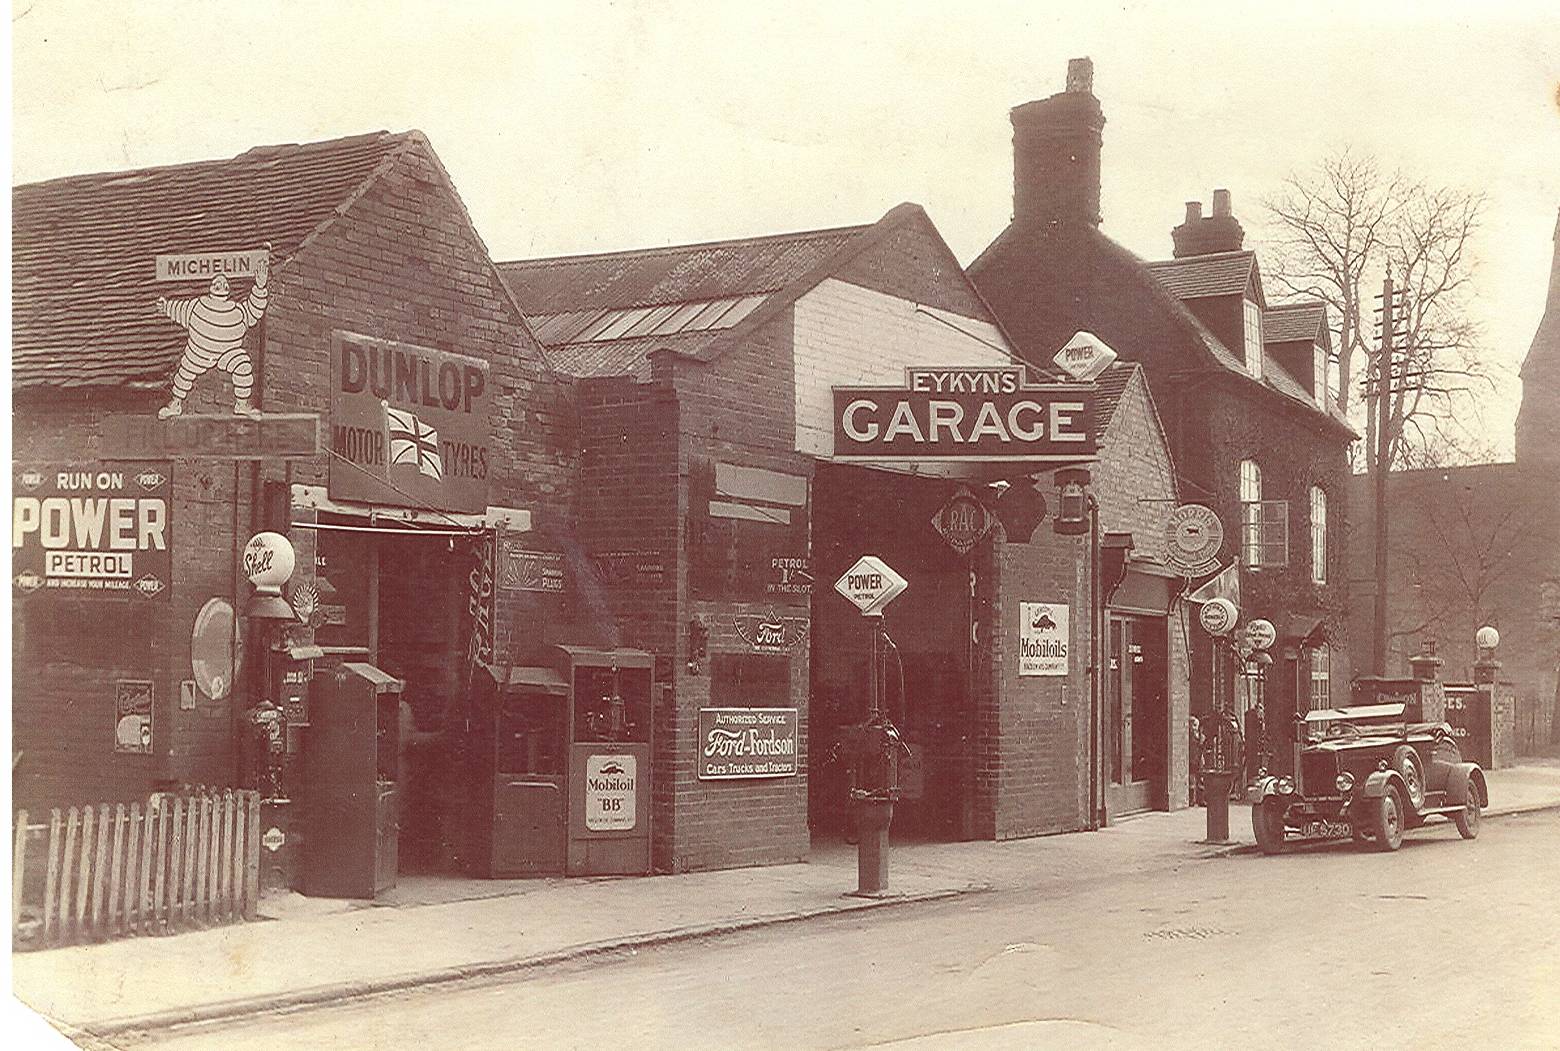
x,y
1467,819
1267,824
1388,824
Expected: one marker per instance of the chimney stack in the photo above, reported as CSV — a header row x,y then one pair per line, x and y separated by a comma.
x,y
1056,153
1219,232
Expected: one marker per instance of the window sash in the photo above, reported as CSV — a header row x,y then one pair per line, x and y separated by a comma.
x,y
1318,535
1265,533
1321,677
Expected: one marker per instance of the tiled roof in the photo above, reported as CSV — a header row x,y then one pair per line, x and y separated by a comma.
x,y
1046,282
1220,274
1112,385
1289,322
602,315
619,357
678,274
83,248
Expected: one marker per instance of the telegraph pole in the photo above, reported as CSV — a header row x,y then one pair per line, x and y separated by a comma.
x,y
1383,451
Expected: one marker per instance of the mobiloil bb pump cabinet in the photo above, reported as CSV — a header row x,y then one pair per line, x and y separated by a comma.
x,y
561,752
350,752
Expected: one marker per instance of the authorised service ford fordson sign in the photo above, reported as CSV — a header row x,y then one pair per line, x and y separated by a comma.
x,y
949,414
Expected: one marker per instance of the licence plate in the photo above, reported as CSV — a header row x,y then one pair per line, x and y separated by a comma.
x,y
1324,829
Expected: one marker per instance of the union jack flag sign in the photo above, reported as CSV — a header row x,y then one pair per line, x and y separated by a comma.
x,y
413,443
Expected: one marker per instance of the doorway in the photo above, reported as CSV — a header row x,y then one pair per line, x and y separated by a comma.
x,y
1137,715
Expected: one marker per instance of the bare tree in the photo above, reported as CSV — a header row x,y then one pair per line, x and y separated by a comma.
x,y
1340,228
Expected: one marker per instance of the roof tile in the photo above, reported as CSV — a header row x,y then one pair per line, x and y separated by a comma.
x,y
83,246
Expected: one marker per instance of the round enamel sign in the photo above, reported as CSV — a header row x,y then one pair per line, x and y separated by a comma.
x,y
1193,537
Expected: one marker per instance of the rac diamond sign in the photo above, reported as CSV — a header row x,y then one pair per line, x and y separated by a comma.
x,y
870,585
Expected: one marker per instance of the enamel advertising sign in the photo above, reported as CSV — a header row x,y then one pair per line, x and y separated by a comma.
x,y
611,793
408,425
1042,638
951,414
92,530
747,742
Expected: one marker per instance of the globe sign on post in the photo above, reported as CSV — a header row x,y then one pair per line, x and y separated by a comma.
x,y
1218,616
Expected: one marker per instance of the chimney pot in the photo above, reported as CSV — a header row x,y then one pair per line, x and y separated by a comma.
x,y
1221,203
1080,76
1193,211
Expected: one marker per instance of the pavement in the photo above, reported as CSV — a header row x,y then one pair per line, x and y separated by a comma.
x,y
311,951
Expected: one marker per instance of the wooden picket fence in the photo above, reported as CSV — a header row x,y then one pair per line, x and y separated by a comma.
x,y
177,863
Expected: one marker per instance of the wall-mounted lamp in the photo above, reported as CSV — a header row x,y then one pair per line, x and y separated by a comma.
x,y
698,644
1072,513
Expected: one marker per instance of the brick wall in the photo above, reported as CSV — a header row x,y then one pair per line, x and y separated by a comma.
x,y
402,263
736,409
1135,487
67,654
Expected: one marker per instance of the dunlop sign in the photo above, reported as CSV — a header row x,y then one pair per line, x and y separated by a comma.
x,y
952,414
93,530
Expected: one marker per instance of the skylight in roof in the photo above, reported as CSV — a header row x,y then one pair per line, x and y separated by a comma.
x,y
601,326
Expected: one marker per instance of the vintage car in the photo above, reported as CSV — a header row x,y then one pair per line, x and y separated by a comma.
x,y
1370,773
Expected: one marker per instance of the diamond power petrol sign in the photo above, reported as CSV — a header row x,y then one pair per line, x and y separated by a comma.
x,y
870,585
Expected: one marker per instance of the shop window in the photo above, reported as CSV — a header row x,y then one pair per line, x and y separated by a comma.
x,y
1321,677
1318,535
761,680
1253,318
747,525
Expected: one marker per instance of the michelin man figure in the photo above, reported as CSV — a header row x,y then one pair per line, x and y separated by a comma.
x,y
216,327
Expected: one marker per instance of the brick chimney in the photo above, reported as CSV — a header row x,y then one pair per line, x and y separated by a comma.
x,y
1219,232
1056,153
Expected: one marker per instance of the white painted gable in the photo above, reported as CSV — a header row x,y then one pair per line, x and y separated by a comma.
x,y
848,336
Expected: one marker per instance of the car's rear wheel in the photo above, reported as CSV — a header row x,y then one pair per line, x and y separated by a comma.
x,y
1267,824
1467,819
1406,762
1388,824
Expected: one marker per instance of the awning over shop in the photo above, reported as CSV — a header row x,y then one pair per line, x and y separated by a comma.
x,y
410,519
528,679
1146,588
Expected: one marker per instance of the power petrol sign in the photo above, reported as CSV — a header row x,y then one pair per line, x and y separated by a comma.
x,y
952,414
92,530
870,585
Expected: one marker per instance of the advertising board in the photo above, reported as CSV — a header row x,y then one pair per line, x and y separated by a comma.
x,y
747,743
1043,638
409,425
92,530
985,414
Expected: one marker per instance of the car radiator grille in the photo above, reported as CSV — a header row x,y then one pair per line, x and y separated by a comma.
x,y
1318,772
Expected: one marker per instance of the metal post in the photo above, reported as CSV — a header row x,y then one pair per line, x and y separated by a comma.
x,y
1383,455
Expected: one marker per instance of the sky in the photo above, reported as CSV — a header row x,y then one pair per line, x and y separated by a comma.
x,y
581,127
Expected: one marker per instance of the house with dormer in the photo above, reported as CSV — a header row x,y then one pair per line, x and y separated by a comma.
x,y
1241,385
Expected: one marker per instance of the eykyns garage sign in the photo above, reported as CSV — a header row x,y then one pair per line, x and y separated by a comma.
x,y
965,414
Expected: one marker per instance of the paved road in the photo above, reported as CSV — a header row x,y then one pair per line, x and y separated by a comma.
x,y
1444,944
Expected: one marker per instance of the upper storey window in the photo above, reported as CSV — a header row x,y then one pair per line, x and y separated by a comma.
x,y
1253,338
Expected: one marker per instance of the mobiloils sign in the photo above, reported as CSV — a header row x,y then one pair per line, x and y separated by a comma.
x,y
92,530
964,414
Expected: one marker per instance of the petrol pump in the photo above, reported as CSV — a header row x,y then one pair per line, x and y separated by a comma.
x,y
872,747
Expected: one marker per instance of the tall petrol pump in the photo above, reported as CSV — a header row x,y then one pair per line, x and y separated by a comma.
x,y
873,746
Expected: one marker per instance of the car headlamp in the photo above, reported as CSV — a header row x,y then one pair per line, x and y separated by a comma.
x,y
1345,781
